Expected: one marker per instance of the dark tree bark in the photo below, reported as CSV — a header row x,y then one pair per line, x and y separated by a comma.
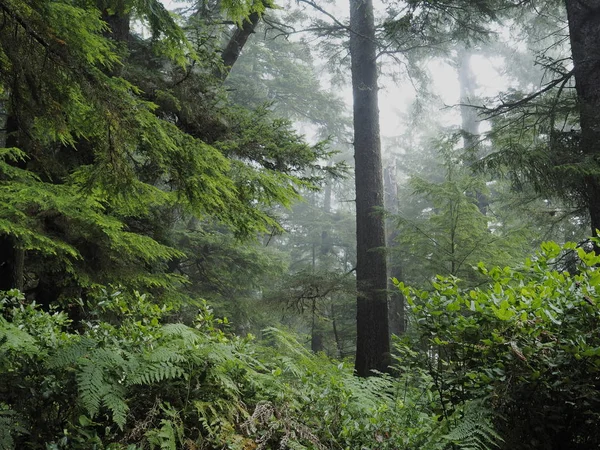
x,y
236,43
11,264
11,255
373,340
118,24
584,31
316,336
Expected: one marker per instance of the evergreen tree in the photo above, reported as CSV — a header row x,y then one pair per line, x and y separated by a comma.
x,y
372,339
584,34
113,139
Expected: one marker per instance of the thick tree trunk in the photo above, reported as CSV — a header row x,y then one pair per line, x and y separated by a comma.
x,y
118,24
3,118
236,43
584,31
11,264
373,340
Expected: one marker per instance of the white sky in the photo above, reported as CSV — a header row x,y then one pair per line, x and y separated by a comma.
x,y
397,98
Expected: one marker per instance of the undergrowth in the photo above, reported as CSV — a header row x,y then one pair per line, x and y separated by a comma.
x,y
125,378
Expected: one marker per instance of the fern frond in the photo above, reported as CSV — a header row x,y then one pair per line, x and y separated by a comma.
x,y
69,355
155,373
10,426
165,354
91,384
187,334
164,437
474,430
170,432
113,397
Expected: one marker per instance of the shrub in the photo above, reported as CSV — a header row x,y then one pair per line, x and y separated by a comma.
x,y
527,342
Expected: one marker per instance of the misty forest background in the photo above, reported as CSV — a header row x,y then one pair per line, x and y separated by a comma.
x,y
207,243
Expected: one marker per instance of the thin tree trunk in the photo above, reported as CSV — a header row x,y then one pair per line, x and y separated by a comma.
x,y
584,31
338,343
469,123
396,305
326,244
11,254
316,338
468,114
372,341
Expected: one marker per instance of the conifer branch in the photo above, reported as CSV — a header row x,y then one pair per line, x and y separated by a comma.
x,y
505,107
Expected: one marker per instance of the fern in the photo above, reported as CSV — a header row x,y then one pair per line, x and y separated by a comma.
x,y
164,437
156,365
170,432
70,355
165,354
189,336
99,372
15,340
10,426
113,398
155,373
473,429
91,385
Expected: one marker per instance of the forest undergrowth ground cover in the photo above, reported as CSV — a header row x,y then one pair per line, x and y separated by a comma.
x,y
513,364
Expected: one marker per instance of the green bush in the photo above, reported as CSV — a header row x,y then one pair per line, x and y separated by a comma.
x,y
527,342
125,378
512,364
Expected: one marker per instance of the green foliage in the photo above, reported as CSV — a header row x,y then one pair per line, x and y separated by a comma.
x,y
239,10
544,152
111,148
11,427
470,428
447,233
128,379
527,341
282,72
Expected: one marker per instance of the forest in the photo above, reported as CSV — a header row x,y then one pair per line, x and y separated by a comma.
x,y
308,224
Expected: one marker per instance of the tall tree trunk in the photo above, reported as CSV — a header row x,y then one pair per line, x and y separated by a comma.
x,y
372,340
3,118
316,335
11,255
338,343
468,114
466,81
584,31
396,305
11,264
326,243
